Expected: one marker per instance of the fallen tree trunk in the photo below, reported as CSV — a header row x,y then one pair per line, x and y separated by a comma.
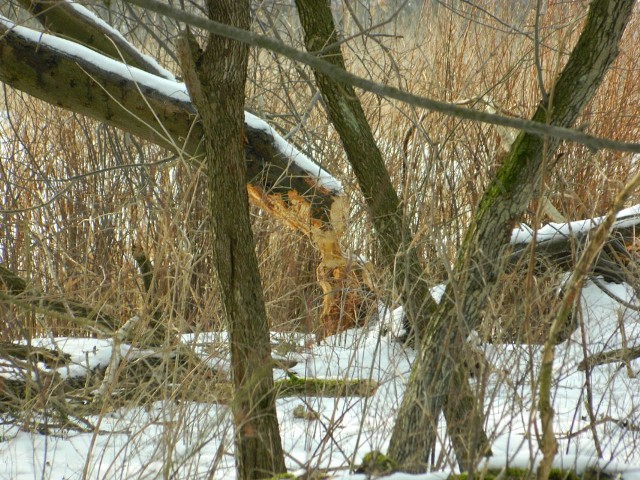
x,y
75,22
157,109
623,355
559,245
137,380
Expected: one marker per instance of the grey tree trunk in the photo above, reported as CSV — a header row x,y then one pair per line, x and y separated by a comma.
x,y
216,79
435,377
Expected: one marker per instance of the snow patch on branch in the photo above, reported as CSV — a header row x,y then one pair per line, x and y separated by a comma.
x,y
322,177
88,15
556,232
169,88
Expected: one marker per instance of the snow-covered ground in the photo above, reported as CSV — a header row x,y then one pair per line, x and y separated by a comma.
x,y
194,440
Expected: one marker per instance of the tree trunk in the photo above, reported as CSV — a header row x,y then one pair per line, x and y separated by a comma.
x,y
433,382
216,80
347,115
155,110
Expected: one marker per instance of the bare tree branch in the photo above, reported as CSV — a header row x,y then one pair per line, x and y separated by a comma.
x,y
133,101
388,91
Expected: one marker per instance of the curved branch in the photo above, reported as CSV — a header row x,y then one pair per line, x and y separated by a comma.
x,y
79,24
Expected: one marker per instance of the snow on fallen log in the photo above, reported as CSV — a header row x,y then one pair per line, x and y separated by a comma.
x,y
100,62
560,232
280,179
561,242
143,61
77,23
104,69
323,178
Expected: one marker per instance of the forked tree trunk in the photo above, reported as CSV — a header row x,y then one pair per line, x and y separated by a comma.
x,y
216,79
435,378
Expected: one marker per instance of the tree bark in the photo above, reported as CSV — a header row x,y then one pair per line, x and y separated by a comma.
x,y
275,183
85,87
347,115
216,79
67,19
433,381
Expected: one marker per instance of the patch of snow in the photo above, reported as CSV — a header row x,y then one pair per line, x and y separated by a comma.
x,y
392,319
194,439
560,231
92,17
295,156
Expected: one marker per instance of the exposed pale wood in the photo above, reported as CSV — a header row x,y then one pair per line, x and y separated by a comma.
x,y
280,187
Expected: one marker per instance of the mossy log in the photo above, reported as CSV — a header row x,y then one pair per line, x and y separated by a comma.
x,y
141,379
528,474
319,387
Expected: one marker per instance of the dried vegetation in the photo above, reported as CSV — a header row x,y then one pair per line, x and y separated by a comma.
x,y
79,198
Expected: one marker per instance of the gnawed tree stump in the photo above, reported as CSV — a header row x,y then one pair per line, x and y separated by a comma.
x,y
159,110
291,194
348,294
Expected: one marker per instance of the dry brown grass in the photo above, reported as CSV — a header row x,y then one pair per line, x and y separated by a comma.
x,y
80,245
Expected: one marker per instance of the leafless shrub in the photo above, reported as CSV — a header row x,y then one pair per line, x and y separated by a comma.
x,y
78,196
